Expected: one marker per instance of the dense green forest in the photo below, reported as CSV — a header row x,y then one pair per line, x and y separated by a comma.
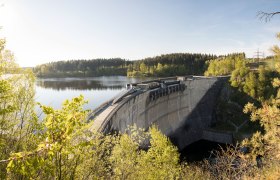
x,y
255,82
83,68
164,65
170,65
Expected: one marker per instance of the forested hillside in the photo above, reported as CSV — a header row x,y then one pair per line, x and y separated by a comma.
x,y
170,65
164,65
83,68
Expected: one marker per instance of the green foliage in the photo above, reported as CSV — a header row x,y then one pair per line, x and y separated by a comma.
x,y
194,172
225,65
256,84
68,149
170,65
269,118
160,161
125,157
164,65
83,68
275,49
267,144
17,117
93,160
238,77
250,84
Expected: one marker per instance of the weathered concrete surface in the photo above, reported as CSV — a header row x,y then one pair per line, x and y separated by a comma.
x,y
183,114
219,137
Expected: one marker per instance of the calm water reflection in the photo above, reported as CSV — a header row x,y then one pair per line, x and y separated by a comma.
x,y
96,90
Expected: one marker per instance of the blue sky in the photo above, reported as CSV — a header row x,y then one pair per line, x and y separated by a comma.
x,y
40,31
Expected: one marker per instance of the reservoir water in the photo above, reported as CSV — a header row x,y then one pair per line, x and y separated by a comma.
x,y
96,90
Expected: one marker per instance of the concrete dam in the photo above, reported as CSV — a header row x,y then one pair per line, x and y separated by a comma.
x,y
183,108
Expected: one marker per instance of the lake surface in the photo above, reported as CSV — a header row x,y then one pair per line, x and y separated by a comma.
x,y
96,90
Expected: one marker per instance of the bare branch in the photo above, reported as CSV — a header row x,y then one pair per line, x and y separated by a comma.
x,y
5,160
266,16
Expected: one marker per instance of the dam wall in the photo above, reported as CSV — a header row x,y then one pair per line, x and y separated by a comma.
x,y
182,109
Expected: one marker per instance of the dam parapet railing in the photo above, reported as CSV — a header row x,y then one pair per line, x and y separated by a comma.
x,y
133,88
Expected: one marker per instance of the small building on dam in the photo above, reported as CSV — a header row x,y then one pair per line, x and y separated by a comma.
x,y
182,108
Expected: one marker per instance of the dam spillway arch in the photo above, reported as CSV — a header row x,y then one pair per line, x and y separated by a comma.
x,y
181,107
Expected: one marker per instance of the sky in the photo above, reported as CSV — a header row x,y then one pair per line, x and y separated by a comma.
x,y
41,31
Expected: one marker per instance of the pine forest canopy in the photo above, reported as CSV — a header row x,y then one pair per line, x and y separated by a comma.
x,y
163,65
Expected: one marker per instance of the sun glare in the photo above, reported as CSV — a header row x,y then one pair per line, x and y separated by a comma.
x,y
8,16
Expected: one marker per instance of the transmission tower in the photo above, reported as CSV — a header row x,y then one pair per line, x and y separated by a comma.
x,y
258,55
